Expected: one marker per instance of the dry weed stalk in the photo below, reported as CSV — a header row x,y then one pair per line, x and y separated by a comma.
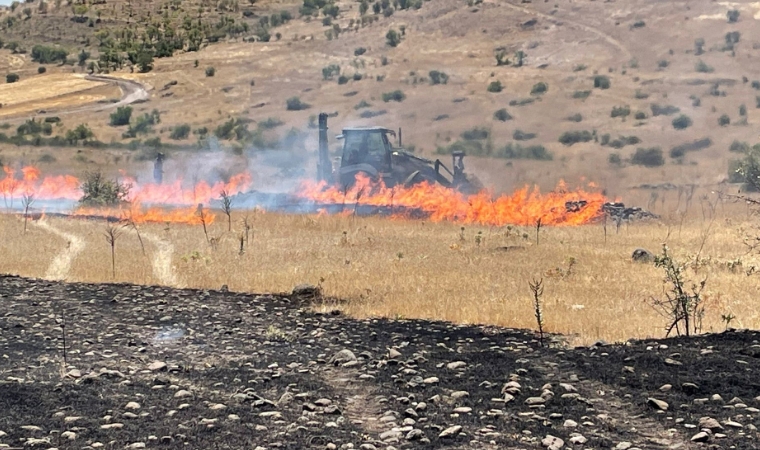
x,y
537,288
27,200
226,201
112,234
203,218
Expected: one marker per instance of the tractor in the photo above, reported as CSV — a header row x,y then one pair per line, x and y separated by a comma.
x,y
369,151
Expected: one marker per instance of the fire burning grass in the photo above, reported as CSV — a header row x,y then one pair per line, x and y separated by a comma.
x,y
178,201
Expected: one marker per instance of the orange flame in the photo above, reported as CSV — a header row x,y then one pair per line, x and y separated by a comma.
x,y
524,207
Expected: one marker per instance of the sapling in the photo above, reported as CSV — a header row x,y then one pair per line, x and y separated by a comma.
x,y
538,229
28,199
202,216
227,207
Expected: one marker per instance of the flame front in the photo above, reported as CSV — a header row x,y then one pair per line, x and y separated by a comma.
x,y
523,207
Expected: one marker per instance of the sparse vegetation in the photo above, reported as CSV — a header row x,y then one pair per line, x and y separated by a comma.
x,y
437,77
573,137
582,95
11,78
602,82
667,110
210,71
121,116
724,120
520,135
395,96
738,147
702,67
180,132
495,87
648,157
392,38
620,111
98,191
682,122
502,115
295,104
539,88
577,117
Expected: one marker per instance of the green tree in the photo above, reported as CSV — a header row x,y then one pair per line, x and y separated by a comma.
x,y
121,116
11,78
144,60
393,38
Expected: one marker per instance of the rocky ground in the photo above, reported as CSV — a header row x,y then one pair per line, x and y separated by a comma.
x,y
150,367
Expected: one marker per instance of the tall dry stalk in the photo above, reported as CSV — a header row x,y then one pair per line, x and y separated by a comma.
x,y
28,199
537,288
226,201
112,234
203,218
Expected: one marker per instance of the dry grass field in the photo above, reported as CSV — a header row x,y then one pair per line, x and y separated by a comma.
x,y
417,269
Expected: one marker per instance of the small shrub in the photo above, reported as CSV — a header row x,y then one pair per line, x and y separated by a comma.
x,y
41,70
521,101
724,120
502,115
396,96
342,79
270,123
121,116
732,16
666,110
362,104
573,137
330,71
577,117
614,159
495,87
295,104
755,85
702,67
475,134
663,63
520,135
371,114
602,82
605,139
180,132
210,71
640,115
680,150
516,151
98,191
11,78
392,38
639,24
648,157
682,122
437,77
743,110
738,147
641,95
620,111
539,88
582,95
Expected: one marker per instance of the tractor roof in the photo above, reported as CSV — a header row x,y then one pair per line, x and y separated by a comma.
x,y
355,129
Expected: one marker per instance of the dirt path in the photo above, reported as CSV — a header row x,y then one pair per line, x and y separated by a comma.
x,y
611,40
59,268
162,260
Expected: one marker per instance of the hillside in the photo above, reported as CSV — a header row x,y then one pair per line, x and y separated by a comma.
x,y
646,52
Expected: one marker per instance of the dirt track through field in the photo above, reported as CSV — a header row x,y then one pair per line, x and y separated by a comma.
x,y
59,268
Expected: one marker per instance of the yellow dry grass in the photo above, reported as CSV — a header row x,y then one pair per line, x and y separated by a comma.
x,y
417,269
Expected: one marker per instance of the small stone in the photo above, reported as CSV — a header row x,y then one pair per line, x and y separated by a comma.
x,y
431,380
342,357
570,423
182,394
532,401
456,365
74,373
552,442
642,255
217,407
393,354
70,435
672,362
156,366
450,432
132,405
579,439
732,424
415,435
463,410
700,437
137,445
112,426
459,394
708,423
689,388
568,387
657,404
716,398
623,446
666,387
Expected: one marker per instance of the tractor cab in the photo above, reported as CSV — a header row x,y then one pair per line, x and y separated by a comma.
x,y
367,150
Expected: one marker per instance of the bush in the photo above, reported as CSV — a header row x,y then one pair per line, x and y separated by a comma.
x,y
602,82
393,38
495,86
516,151
371,114
210,71
342,79
614,159
620,111
44,54
360,51
180,132
640,95
295,104
724,120
640,115
521,101
682,122
98,191
680,150
362,104
648,157
732,16
520,135
582,95
502,115
573,137
663,63
743,110
41,70
437,77
738,147
270,123
539,88
475,134
666,110
748,169
622,141
11,78
577,117
702,67
121,116
330,71
396,96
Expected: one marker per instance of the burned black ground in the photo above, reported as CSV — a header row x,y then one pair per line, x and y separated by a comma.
x,y
160,367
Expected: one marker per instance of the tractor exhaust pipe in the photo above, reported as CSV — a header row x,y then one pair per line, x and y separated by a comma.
x,y
399,138
324,168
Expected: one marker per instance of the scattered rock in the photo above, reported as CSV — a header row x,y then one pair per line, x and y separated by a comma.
x,y
156,366
657,404
456,365
450,432
642,255
552,442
